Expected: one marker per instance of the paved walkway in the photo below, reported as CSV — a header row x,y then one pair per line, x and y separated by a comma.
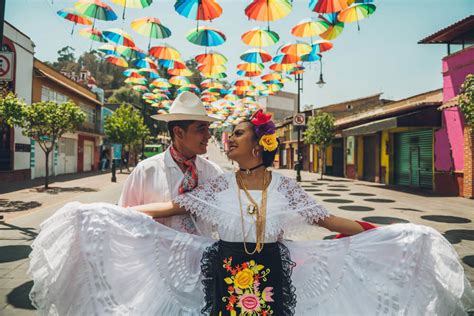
x,y
26,207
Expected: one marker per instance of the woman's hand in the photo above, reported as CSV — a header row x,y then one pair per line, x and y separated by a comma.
x,y
161,209
342,225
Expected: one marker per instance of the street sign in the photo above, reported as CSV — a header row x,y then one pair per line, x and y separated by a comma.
x,y
299,119
6,66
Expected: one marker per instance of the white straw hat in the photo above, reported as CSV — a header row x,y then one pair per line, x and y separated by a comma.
x,y
186,106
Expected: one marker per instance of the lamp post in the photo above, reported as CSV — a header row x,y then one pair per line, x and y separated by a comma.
x,y
321,82
299,80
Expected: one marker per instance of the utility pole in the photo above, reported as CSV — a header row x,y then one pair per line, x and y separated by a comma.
x,y
2,20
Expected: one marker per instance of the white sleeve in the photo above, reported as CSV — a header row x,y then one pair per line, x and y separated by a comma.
x,y
133,188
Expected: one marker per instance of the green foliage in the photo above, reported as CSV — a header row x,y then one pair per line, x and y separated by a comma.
x,y
125,126
11,109
466,101
320,129
125,94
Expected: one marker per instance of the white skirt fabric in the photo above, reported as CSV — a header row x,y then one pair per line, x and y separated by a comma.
x,y
100,259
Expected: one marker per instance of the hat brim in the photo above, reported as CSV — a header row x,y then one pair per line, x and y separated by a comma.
x,y
184,117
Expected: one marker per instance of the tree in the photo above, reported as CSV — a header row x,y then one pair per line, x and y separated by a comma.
x,y
45,122
466,101
125,126
320,131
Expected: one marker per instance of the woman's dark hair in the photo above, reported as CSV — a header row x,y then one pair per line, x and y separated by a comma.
x,y
267,156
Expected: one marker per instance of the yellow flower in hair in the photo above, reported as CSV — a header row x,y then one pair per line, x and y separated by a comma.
x,y
269,142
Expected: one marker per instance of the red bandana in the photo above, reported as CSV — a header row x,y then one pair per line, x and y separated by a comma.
x,y
190,180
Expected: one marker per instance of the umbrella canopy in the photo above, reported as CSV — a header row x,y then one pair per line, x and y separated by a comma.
x,y
260,38
165,51
146,62
116,60
297,70
206,36
203,10
281,67
118,37
150,72
249,74
72,15
356,13
135,4
179,81
271,76
242,83
150,27
140,88
180,72
257,55
210,70
321,46
286,59
250,67
298,48
140,81
209,83
211,57
109,49
335,26
172,64
131,52
220,75
268,10
132,73
92,34
312,56
95,9
327,6
309,28
161,83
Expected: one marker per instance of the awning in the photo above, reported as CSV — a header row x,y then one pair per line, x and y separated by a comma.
x,y
429,118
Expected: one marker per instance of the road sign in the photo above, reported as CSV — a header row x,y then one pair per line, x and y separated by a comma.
x,y
6,66
299,119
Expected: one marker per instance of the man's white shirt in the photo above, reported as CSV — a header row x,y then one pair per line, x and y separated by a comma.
x,y
157,179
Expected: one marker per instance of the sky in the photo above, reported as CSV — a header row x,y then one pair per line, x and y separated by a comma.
x,y
383,57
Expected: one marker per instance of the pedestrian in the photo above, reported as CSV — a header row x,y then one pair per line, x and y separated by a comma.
x,y
115,260
104,160
180,168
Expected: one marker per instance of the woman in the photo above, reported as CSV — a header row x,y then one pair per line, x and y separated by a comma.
x,y
99,259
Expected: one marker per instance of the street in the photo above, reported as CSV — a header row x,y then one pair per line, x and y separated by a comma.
x,y
26,208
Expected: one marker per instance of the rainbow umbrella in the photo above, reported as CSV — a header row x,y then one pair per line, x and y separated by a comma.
x,y
206,36
95,9
150,72
335,26
211,57
179,80
309,28
139,88
356,13
172,64
131,52
321,46
327,6
146,62
297,70
311,57
92,34
108,49
210,70
200,10
256,56
286,59
180,72
119,37
116,60
298,48
209,83
281,67
271,76
260,38
161,83
150,27
132,73
250,67
165,51
242,83
220,75
140,81
268,10
136,4
249,74
71,15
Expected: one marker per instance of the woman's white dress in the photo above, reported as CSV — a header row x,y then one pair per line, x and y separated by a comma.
x,y
100,259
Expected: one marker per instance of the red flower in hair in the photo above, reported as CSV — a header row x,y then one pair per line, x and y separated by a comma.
x,y
261,118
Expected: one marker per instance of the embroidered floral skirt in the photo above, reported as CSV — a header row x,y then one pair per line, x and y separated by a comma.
x,y
236,283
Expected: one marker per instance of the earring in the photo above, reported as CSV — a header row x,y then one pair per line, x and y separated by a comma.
x,y
255,152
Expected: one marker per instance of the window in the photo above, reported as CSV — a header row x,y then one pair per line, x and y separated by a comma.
x,y
91,113
48,94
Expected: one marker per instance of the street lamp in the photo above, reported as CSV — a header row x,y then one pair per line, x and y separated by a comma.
x,y
299,80
321,81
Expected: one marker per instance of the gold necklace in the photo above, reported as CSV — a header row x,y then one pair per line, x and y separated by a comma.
x,y
261,213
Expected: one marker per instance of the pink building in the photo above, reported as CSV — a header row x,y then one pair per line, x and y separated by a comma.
x,y
453,143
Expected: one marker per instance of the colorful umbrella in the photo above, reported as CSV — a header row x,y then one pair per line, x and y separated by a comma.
x,y
335,26
71,15
298,48
150,72
200,10
327,6
165,51
139,88
242,83
210,70
271,76
109,49
312,56
131,52
356,13
136,4
281,67
95,9
250,67
150,27
116,60
92,34
260,38
132,73
268,10
297,70
180,72
209,83
309,28
286,59
321,46
119,37
220,75
179,80
249,74
206,36
172,64
256,55
146,62
140,81
161,83
211,57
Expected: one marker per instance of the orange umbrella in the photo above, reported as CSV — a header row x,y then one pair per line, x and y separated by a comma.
x,y
328,6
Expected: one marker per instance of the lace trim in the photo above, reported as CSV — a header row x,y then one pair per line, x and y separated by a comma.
x,y
300,201
288,289
209,267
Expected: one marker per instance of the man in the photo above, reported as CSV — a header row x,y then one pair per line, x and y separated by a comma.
x,y
179,169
